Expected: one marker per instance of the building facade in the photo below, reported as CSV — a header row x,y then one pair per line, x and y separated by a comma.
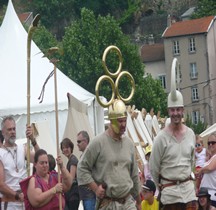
x,y
193,43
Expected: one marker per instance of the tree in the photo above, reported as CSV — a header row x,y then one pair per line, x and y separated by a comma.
x,y
44,39
84,43
55,14
205,8
197,128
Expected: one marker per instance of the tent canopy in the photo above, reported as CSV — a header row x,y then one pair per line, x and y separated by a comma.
x,y
13,71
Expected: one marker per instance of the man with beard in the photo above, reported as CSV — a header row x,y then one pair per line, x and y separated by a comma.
x,y
108,165
172,158
13,165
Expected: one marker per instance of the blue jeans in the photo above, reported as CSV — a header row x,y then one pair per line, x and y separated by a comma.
x,y
89,204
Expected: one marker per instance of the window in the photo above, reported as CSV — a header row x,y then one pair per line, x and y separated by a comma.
x,y
192,47
162,79
176,49
195,95
195,117
193,71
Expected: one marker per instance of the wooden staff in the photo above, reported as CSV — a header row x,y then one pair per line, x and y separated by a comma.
x,y
54,61
29,38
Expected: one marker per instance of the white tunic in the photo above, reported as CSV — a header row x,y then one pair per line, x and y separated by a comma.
x,y
13,159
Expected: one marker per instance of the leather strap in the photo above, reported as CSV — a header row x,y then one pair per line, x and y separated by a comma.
x,y
173,182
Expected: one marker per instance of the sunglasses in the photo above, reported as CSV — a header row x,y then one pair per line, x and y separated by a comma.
x,y
79,141
198,145
211,143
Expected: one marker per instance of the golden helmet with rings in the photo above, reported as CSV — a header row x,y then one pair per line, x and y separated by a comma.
x,y
175,98
148,149
116,105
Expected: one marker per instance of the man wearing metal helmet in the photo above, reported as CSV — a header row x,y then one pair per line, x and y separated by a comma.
x,y
172,159
109,166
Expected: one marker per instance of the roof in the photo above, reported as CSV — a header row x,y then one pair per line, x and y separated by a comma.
x,y
24,16
188,13
154,52
189,27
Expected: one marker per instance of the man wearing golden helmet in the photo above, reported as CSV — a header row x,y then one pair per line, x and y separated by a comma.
x,y
109,166
172,158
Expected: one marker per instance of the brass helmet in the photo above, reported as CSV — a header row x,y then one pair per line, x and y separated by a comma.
x,y
117,110
175,98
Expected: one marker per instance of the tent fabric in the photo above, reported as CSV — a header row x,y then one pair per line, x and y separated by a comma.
x,y
208,131
13,94
77,111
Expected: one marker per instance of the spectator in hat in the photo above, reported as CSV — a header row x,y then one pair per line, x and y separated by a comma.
x,y
148,191
203,199
147,172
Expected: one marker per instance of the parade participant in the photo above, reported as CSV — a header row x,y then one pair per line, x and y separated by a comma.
x,y
41,190
86,194
172,158
72,196
209,170
108,165
150,202
13,165
203,199
52,162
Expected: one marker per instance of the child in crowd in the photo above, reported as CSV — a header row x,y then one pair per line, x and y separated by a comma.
x,y
150,201
200,157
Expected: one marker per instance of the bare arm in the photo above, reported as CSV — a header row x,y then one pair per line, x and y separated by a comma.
x,y
5,189
37,198
30,135
210,167
66,176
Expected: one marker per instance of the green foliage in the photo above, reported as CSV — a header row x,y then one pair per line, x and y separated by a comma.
x,y
44,39
197,128
84,43
3,10
54,13
149,94
205,8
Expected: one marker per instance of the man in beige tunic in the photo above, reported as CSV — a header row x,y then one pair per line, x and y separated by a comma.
x,y
108,165
172,159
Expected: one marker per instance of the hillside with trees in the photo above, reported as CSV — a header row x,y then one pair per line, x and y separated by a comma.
x,y
84,30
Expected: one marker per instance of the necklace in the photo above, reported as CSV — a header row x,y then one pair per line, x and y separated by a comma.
x,y
13,152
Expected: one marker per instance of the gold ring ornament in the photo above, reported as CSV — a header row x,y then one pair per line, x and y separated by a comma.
x,y
114,85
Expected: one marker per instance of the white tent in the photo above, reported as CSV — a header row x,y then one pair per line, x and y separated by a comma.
x,y
13,85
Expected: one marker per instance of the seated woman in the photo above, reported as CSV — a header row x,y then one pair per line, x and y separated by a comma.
x,y
42,190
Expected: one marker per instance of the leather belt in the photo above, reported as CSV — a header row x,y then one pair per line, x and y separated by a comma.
x,y
173,182
106,200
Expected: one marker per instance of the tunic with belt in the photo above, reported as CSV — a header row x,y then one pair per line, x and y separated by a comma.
x,y
11,161
174,160
113,162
